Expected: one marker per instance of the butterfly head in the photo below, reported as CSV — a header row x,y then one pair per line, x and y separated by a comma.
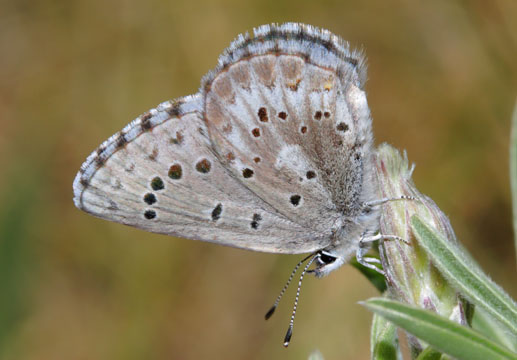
x,y
327,261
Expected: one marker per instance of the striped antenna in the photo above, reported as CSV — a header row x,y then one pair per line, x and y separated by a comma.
x,y
277,301
289,333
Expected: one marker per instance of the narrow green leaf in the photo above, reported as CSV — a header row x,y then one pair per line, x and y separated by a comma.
x,y
384,343
513,171
492,329
429,354
442,334
465,275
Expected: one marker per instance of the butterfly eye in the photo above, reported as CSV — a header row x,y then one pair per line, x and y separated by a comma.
x,y
326,258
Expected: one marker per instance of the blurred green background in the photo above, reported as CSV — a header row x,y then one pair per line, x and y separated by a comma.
x,y
442,85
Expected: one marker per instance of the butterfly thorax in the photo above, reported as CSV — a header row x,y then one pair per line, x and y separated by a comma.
x,y
346,240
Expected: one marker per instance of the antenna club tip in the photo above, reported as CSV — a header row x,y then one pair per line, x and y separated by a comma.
x,y
270,312
288,335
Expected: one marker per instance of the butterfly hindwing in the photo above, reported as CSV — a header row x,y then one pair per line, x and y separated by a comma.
x,y
287,115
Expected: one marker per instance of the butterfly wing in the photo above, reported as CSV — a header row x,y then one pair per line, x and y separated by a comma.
x,y
272,154
160,174
287,115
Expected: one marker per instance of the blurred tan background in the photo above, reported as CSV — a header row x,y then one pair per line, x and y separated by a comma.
x,y
442,84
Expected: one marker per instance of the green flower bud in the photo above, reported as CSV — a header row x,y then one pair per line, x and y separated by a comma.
x,y
410,275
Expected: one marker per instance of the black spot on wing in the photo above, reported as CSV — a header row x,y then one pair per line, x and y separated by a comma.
x,y
203,166
150,214
295,200
216,213
255,221
149,198
175,172
157,183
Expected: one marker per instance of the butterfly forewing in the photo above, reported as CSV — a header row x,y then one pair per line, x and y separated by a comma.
x,y
160,174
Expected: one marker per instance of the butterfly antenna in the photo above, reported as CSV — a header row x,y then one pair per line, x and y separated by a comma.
x,y
289,333
277,301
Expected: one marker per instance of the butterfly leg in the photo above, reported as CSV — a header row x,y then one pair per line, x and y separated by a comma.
x,y
385,200
363,248
368,261
370,239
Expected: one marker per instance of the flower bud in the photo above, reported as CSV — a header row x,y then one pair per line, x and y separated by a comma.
x,y
410,275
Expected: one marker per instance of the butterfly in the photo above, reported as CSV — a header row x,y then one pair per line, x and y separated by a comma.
x,y
273,154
